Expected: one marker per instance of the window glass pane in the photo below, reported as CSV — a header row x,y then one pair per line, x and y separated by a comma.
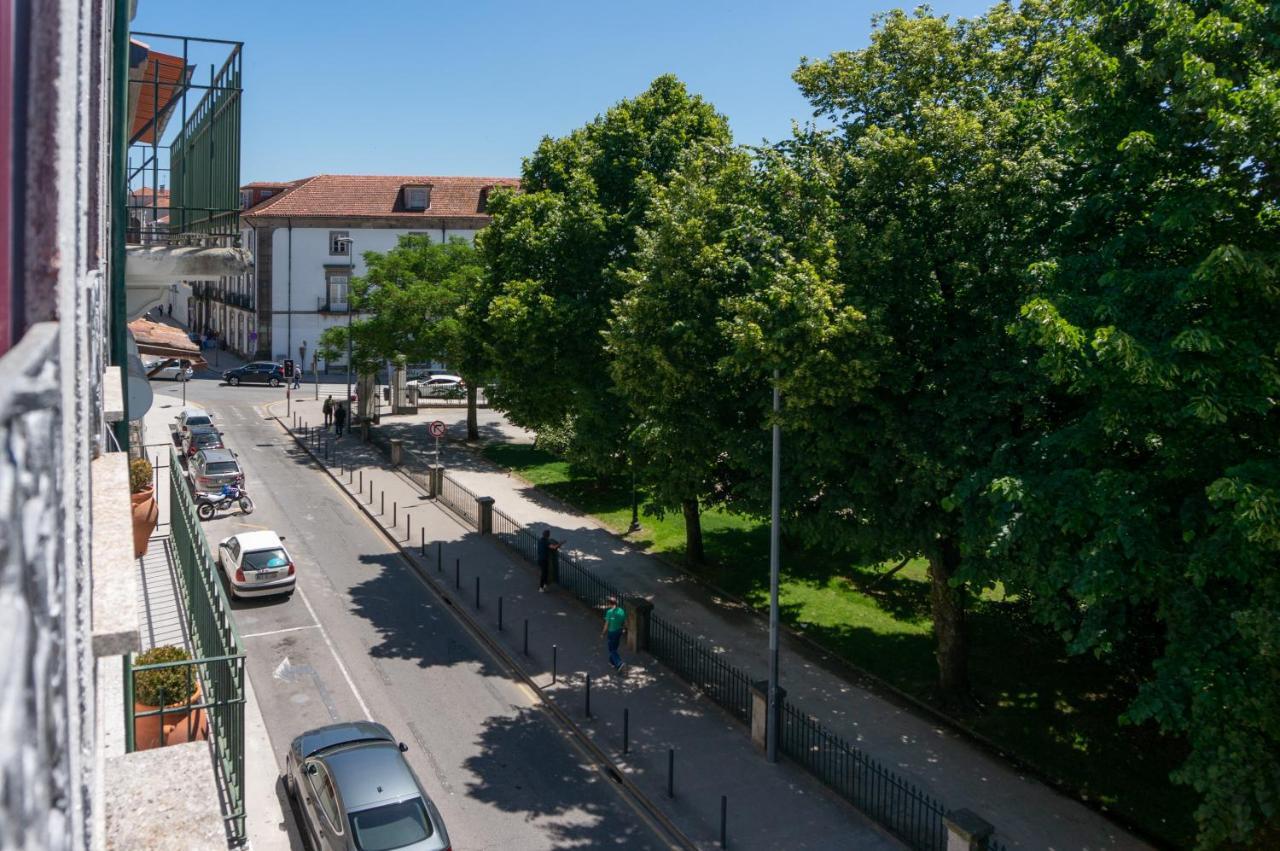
x,y
221,468
392,826
263,559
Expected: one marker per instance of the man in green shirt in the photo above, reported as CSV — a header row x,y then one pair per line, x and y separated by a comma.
x,y
615,618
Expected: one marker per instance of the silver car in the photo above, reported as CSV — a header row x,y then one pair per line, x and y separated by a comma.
x,y
356,792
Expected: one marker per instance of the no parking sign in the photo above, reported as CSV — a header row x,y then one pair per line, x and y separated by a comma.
x,y
437,429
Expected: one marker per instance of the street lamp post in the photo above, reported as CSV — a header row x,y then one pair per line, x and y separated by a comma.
x,y
351,269
771,726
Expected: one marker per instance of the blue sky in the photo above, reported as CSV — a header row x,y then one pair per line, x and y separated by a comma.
x,y
468,88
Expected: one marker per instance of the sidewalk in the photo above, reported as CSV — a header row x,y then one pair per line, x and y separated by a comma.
x,y
1025,812
768,806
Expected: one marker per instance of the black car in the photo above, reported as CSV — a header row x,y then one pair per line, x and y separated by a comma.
x,y
258,372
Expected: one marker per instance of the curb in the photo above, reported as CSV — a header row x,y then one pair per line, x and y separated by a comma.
x,y
609,770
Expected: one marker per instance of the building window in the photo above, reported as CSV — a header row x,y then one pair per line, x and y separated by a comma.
x,y
336,290
417,197
339,244
484,199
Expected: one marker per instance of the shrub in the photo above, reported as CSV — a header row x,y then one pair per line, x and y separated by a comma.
x,y
139,475
163,686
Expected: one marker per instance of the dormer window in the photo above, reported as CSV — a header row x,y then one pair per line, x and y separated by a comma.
x,y
417,197
484,199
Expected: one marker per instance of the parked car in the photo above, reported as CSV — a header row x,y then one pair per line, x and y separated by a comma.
x,y
190,418
355,791
210,469
258,372
172,369
202,437
256,564
440,386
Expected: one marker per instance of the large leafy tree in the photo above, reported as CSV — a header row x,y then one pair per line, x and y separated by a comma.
x,y
1150,512
412,300
940,175
558,254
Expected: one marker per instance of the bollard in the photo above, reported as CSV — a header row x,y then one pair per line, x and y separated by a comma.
x,y
408,526
457,574
395,515
588,695
671,772
439,555
424,541
724,810
382,509
555,654
526,636
499,614
477,593
626,730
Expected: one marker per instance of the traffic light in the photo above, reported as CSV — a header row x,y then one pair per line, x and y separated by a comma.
x,y
288,369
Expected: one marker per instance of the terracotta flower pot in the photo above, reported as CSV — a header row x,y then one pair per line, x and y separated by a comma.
x,y
180,724
145,516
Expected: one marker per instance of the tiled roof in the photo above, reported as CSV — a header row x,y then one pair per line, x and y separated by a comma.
x,y
270,184
346,196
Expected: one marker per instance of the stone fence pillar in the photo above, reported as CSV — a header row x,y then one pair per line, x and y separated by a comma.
x,y
397,452
639,613
760,714
484,520
966,831
435,479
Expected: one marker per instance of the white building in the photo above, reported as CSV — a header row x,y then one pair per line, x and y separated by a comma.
x,y
307,239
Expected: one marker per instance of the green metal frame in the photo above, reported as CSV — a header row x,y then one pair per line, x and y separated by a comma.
x,y
219,661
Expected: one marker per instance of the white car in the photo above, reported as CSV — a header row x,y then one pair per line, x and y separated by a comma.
x,y
256,564
448,386
173,370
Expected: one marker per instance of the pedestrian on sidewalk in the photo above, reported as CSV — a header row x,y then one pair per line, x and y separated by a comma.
x,y
615,620
545,545
297,377
327,409
339,418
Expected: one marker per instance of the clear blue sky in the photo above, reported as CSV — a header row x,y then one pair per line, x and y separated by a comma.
x,y
468,88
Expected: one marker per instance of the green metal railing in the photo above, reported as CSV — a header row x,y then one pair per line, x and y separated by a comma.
x,y
205,160
219,662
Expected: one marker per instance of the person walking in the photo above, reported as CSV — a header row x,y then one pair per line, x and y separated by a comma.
x,y
339,418
545,547
327,409
297,376
615,619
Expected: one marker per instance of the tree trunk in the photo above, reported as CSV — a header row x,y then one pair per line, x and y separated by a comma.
x,y
692,531
473,427
948,604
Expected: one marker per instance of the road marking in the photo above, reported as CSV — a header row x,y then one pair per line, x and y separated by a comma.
x,y
341,667
278,631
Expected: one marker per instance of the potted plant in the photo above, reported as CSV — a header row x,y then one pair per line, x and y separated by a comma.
x,y
177,690
145,511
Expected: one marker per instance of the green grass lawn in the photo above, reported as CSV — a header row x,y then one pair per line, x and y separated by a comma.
x,y
1056,713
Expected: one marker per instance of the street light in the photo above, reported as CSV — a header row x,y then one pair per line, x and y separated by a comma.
x,y
351,270
771,726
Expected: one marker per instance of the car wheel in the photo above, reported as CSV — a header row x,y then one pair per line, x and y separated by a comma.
x,y
275,382
233,381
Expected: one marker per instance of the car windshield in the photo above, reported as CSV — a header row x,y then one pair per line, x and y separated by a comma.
x,y
391,826
208,439
198,421
222,468
264,559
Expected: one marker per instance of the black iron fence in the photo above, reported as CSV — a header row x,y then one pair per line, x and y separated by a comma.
x,y
515,536
461,500
726,684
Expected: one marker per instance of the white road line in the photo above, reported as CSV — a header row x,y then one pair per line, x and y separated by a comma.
x,y
278,631
341,667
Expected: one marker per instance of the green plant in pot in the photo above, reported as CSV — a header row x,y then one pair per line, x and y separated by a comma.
x,y
143,498
175,688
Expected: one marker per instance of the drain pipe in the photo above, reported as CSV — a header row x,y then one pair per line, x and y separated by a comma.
x,y
119,337
288,345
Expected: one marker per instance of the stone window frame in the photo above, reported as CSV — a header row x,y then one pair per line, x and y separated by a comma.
x,y
425,188
337,248
331,272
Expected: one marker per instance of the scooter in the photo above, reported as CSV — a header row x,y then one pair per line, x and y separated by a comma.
x,y
207,504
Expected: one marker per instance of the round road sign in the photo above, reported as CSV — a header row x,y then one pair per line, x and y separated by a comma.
x,y
437,429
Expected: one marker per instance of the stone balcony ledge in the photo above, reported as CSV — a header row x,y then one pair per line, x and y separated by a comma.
x,y
114,569
161,799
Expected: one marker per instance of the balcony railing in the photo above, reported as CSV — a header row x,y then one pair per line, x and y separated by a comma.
x,y
184,148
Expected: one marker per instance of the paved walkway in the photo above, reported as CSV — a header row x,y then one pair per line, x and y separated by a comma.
x,y
1026,813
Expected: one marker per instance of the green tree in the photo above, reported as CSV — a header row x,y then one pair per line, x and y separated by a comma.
x,y
1149,514
557,256
939,175
413,300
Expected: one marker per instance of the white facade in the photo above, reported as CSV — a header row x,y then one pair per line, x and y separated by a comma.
x,y
304,303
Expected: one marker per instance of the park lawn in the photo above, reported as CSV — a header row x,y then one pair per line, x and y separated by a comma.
x,y
1054,712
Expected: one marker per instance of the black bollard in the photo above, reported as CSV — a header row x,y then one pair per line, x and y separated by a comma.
x,y
555,654
588,695
382,509
395,515
477,593
671,772
424,541
499,614
526,636
408,526
626,730
362,482
439,555
724,810
457,574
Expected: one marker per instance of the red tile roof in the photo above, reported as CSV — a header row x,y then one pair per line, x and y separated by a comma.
x,y
270,184
346,196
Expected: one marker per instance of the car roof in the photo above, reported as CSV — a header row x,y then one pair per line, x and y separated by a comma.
x,y
194,412
342,733
369,773
211,455
258,540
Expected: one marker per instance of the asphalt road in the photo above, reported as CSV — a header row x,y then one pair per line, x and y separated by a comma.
x,y
363,638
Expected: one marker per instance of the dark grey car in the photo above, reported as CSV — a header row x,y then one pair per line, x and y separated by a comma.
x,y
356,792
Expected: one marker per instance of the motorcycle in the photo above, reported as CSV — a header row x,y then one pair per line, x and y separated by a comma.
x,y
207,504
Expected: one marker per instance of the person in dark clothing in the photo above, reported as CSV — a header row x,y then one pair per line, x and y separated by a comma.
x,y
339,419
545,547
327,408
